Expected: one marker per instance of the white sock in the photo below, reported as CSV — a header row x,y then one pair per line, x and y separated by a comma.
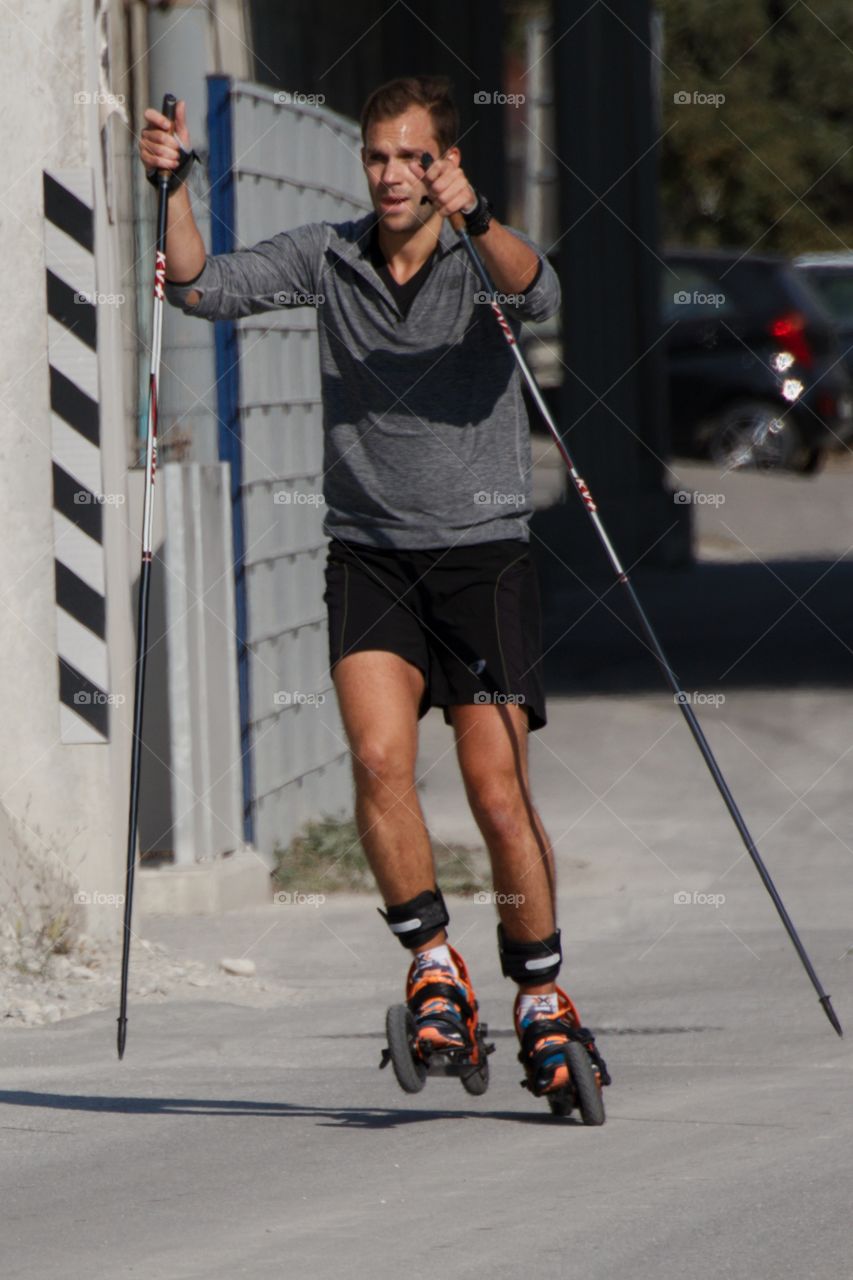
x,y
439,956
530,1006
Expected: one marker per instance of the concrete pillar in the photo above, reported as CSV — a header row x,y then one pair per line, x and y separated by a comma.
x,y
613,405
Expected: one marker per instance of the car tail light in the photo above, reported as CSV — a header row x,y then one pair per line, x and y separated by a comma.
x,y
827,407
790,331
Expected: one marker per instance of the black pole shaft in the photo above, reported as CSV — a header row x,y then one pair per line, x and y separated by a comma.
x,y
163,183
646,626
730,802
133,812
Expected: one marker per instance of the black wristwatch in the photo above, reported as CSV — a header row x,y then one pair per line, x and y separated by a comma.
x,y
477,221
177,177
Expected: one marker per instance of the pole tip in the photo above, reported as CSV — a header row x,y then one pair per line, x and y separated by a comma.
x,y
826,1001
122,1037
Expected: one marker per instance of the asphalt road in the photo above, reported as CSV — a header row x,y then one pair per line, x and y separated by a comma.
x,y
263,1142
259,1139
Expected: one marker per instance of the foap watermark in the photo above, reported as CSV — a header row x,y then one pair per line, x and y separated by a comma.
x,y
296,698
696,699
682,898
293,98
296,898
502,299
692,498
684,98
486,897
294,298
85,498
486,98
482,698
97,698
484,498
297,498
99,99
97,899
99,299
696,298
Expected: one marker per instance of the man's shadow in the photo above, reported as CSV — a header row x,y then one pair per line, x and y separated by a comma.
x,y
370,1118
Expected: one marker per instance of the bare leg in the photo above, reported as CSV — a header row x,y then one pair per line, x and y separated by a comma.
x,y
379,694
491,743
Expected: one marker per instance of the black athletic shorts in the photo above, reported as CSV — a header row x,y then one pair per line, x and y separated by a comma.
x,y
467,617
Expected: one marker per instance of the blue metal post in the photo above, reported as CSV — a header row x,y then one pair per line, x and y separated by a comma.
x,y
219,132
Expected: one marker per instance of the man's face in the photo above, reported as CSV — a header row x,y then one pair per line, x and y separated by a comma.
x,y
391,147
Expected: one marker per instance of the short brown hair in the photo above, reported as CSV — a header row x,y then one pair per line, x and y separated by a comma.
x,y
395,97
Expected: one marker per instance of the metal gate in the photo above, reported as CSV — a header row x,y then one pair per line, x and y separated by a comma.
x,y
276,164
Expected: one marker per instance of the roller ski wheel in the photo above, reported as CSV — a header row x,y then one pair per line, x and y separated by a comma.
x,y
408,1066
475,1079
437,1031
583,1090
562,1063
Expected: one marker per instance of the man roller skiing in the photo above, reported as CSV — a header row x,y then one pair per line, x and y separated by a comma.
x,y
431,593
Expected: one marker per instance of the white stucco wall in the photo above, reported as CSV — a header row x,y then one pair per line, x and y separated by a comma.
x,y
68,800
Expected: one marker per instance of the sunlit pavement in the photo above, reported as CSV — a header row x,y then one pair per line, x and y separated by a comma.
x,y
264,1142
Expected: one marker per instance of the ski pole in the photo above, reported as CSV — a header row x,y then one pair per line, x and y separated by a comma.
x,y
457,221
163,180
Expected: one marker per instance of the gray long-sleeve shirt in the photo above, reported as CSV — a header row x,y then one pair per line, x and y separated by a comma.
x,y
426,436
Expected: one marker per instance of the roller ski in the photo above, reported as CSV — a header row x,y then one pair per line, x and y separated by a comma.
x,y
437,1031
560,1058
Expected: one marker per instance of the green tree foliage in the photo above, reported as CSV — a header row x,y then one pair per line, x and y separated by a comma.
x,y
770,168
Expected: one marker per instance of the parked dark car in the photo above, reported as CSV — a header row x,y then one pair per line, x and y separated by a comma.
x,y
754,362
755,370
830,276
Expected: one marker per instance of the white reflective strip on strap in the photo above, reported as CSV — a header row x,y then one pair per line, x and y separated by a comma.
x,y
543,962
406,927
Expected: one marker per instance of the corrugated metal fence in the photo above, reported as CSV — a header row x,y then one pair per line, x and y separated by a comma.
x,y
290,163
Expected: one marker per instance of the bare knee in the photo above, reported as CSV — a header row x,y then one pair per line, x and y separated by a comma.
x,y
499,804
380,767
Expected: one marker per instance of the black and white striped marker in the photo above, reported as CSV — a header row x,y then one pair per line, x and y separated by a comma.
x,y
69,241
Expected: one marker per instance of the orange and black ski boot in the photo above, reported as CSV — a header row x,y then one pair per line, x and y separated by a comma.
x,y
560,1059
443,1006
438,1031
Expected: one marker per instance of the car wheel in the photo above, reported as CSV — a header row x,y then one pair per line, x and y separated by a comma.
x,y
754,434
811,461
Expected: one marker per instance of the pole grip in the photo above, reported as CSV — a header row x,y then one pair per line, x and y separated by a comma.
x,y
170,107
